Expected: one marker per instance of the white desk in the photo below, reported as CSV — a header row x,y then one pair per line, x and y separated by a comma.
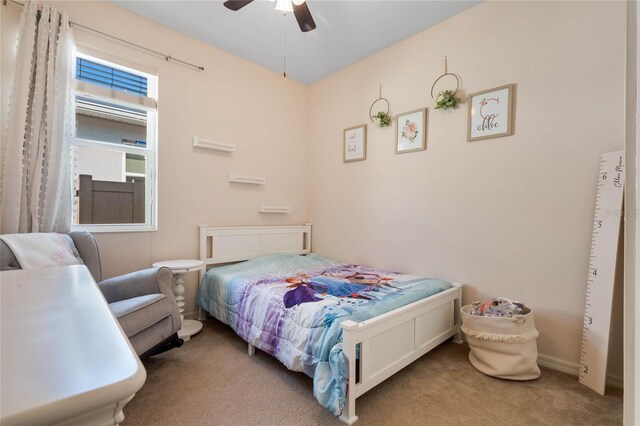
x,y
64,358
179,268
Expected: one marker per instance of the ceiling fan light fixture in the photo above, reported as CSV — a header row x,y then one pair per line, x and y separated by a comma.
x,y
298,7
284,5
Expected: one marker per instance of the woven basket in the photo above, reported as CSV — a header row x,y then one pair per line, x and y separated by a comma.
x,y
502,347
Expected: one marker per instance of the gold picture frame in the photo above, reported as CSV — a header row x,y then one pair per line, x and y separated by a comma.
x,y
354,141
414,122
481,126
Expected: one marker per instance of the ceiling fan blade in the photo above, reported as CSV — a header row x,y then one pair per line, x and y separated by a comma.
x,y
304,18
236,4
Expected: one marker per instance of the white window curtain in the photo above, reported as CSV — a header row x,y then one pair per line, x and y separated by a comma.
x,y
36,190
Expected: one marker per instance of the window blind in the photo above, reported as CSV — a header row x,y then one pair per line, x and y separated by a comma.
x,y
104,75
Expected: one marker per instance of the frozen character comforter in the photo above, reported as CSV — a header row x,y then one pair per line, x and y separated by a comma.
x,y
291,307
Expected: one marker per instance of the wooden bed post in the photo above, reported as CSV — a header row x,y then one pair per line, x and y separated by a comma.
x,y
457,304
348,415
202,249
307,243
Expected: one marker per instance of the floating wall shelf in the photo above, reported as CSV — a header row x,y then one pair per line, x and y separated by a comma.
x,y
254,180
216,146
265,208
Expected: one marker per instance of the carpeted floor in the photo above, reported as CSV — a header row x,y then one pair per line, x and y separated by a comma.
x,y
212,381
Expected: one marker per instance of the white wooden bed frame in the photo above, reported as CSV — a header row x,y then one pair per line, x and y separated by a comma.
x,y
388,342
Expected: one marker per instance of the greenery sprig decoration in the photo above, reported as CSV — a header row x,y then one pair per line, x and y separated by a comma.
x,y
382,119
447,100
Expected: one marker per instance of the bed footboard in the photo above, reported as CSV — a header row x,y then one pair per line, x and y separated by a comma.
x,y
391,341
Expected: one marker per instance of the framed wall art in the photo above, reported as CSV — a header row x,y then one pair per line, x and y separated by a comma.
x,y
411,131
355,143
491,113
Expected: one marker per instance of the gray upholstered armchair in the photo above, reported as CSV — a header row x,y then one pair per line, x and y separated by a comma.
x,y
142,301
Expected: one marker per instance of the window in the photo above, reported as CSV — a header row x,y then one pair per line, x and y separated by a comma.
x,y
114,152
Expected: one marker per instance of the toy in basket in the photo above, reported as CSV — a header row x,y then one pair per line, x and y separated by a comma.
x,y
502,338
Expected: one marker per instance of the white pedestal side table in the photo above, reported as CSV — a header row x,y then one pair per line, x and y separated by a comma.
x,y
179,268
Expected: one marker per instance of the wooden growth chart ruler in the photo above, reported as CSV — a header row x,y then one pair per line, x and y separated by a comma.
x,y
602,267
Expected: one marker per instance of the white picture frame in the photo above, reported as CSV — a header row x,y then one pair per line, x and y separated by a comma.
x,y
355,143
411,131
491,113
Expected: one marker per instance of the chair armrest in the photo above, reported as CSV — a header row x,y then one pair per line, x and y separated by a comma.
x,y
165,282
134,284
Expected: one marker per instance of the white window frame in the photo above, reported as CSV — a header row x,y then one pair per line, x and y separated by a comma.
x,y
148,103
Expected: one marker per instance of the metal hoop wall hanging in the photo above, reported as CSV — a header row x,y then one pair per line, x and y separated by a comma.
x,y
446,73
380,98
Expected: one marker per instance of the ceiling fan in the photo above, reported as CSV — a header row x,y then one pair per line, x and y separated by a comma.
x,y
298,7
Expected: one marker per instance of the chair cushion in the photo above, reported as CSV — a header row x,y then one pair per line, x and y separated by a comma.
x,y
139,313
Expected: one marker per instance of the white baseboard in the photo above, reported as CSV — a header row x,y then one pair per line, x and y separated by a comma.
x,y
573,369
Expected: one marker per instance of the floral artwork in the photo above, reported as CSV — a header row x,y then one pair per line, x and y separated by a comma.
x,y
490,113
411,132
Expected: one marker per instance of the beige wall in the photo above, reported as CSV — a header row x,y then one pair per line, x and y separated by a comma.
x,y
232,101
631,407
510,216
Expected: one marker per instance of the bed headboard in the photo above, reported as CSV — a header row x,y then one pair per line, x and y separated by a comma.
x,y
234,244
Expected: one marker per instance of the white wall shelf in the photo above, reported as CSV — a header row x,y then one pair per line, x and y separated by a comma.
x,y
253,180
266,208
216,146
